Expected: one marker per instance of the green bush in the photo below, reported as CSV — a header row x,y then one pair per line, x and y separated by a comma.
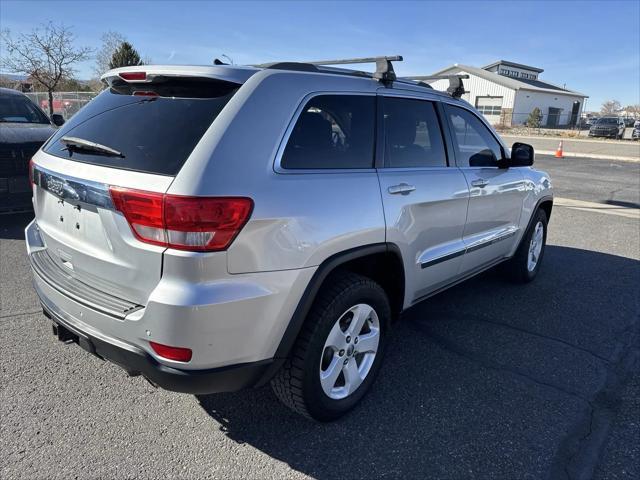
x,y
535,118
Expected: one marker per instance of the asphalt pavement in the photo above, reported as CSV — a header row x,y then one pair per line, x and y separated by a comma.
x,y
486,380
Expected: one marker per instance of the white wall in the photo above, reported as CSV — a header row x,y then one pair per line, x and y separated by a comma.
x,y
527,100
478,87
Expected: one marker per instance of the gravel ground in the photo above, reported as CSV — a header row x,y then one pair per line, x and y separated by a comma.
x,y
487,380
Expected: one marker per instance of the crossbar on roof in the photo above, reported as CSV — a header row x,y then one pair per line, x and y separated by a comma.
x,y
456,88
384,68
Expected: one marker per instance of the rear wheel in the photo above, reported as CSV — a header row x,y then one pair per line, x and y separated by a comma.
x,y
339,350
525,264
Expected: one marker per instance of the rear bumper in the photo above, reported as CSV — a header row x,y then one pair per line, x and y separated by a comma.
x,y
233,325
137,362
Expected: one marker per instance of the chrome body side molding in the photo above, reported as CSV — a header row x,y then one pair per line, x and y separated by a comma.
x,y
429,258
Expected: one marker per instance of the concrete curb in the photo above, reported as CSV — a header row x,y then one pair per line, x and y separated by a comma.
x,y
572,139
590,155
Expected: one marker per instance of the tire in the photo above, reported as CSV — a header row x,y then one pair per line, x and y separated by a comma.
x,y
525,264
321,349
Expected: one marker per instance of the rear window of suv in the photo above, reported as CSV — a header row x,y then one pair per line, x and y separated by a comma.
x,y
333,132
155,126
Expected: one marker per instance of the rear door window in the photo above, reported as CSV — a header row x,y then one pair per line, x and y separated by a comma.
x,y
154,126
413,138
333,131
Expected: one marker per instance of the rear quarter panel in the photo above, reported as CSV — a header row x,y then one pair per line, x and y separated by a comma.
x,y
299,219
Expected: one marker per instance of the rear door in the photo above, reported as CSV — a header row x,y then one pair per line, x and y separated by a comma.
x,y
152,128
425,199
496,194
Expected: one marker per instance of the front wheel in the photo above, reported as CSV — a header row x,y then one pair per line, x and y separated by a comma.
x,y
525,264
339,350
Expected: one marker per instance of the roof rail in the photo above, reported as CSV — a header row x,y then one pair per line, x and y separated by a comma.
x,y
384,68
456,88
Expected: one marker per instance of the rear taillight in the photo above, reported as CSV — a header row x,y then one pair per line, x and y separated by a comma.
x,y
179,354
201,224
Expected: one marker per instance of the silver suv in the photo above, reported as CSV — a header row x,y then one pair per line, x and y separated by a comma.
x,y
215,228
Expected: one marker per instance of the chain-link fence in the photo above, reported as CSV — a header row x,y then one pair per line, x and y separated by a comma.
x,y
505,118
65,103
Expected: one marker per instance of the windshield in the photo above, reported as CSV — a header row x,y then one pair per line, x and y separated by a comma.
x,y
16,108
152,127
607,121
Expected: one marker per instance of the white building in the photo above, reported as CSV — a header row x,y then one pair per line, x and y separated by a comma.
x,y
506,93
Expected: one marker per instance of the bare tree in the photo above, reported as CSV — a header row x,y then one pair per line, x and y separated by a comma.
x,y
610,106
633,110
46,55
111,41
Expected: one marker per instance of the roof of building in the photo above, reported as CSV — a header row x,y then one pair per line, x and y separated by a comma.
x,y
510,82
513,64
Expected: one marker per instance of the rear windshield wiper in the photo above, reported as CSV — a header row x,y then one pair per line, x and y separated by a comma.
x,y
79,144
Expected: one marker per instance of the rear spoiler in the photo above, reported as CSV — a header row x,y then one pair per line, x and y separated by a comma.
x,y
151,73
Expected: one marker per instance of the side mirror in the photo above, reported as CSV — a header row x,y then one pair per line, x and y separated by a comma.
x,y
522,155
57,119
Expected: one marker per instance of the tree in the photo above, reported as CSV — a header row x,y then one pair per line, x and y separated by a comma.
x,y
610,106
110,43
633,110
535,118
46,55
125,56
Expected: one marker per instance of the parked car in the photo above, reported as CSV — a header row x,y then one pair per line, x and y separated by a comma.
x,y
628,121
216,228
591,121
64,106
23,129
635,135
608,127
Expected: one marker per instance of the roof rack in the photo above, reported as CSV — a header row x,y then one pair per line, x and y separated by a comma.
x,y
384,68
456,88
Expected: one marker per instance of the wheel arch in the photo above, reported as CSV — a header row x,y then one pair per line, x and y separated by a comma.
x,y
546,204
372,261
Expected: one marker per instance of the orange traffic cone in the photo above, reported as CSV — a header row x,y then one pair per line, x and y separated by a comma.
x,y
559,153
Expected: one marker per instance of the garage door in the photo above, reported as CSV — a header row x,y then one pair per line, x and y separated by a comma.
x,y
490,107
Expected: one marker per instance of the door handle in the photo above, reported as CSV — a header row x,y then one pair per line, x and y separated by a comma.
x,y
402,188
480,182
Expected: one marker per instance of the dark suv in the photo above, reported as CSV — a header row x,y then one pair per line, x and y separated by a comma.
x,y
23,129
608,127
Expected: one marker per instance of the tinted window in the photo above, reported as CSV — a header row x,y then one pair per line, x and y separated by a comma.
x,y
333,131
155,126
16,108
474,144
412,134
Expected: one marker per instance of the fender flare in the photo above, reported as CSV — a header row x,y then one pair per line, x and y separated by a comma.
x,y
541,200
320,275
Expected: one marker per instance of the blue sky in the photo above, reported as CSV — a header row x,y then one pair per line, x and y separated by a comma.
x,y
592,47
